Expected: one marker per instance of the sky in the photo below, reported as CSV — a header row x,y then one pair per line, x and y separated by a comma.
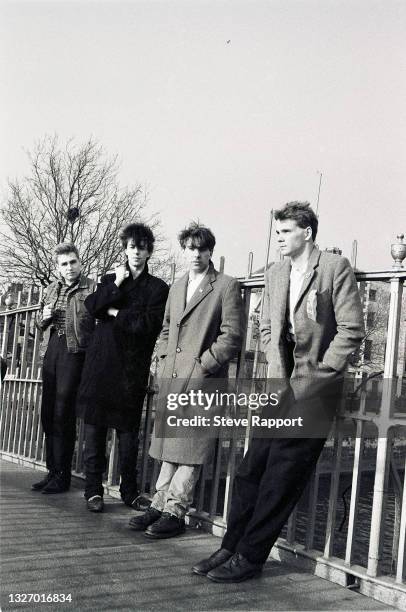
x,y
224,109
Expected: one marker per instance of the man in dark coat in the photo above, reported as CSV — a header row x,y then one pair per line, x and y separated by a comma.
x,y
67,327
129,307
312,322
202,331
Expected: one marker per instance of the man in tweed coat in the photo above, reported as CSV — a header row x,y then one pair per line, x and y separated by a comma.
x,y
312,322
202,331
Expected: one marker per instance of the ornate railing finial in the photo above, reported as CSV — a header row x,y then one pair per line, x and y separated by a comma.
x,y
398,251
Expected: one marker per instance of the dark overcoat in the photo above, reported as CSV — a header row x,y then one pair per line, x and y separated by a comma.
x,y
115,373
197,342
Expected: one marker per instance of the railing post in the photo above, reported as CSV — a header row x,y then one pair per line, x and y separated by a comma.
x,y
384,447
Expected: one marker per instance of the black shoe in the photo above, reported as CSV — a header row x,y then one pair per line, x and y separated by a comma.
x,y
95,503
217,558
129,500
59,483
140,503
236,569
167,526
141,522
38,486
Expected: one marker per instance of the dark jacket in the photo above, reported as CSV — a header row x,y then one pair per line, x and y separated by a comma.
x,y
115,373
79,323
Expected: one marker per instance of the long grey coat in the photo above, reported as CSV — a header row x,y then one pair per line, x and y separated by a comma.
x,y
196,343
328,319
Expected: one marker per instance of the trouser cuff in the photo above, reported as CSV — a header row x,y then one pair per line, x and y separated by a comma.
x,y
257,558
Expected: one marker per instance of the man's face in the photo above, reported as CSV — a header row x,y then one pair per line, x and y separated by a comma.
x,y
292,239
198,258
69,267
137,255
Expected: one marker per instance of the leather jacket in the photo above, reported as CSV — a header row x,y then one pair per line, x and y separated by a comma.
x,y
79,323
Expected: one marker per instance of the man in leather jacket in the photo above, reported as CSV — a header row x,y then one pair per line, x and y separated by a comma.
x,y
67,327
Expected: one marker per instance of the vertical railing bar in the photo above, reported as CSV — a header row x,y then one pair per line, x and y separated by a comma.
x,y
34,426
355,489
154,476
216,478
378,503
203,480
23,416
291,531
146,436
383,447
4,342
401,561
28,423
12,417
23,354
42,447
312,507
5,412
15,344
234,435
80,441
113,460
335,481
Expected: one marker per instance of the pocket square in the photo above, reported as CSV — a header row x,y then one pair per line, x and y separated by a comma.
x,y
311,305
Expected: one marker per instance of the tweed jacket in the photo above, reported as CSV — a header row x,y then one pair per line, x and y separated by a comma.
x,y
79,323
197,342
328,317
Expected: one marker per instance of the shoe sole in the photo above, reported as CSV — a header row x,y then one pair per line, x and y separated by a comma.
x,y
200,573
96,511
163,536
255,574
137,527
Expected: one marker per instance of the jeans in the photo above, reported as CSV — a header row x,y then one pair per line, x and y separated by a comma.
x,y
96,462
175,487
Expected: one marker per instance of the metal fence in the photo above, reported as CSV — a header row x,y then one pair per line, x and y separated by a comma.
x,y
350,525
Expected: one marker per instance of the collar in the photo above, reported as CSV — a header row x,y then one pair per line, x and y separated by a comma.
x,y
311,262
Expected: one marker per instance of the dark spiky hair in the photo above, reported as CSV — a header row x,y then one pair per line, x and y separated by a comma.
x,y
202,237
140,233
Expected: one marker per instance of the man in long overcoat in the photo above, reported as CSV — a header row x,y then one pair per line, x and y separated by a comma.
x,y
129,307
202,331
312,322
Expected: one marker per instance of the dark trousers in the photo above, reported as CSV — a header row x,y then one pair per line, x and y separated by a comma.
x,y
60,381
267,486
96,461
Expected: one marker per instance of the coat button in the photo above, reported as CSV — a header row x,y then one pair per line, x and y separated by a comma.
x,y
178,350
174,375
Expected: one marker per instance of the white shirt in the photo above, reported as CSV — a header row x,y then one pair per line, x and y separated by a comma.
x,y
194,283
295,285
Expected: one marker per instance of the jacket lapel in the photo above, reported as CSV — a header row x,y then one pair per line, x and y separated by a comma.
x,y
282,290
204,289
312,265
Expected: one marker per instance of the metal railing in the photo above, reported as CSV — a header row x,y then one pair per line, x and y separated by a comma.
x,y
350,524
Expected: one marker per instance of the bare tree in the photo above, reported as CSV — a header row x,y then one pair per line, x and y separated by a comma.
x,y
71,194
371,354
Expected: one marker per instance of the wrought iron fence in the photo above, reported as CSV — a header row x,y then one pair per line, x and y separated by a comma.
x,y
350,525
